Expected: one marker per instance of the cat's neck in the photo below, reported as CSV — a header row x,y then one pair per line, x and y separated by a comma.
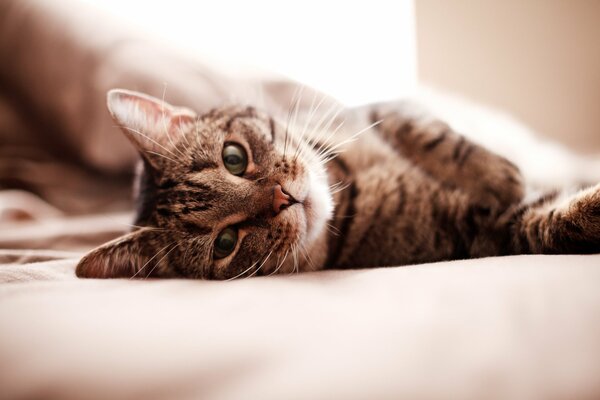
x,y
327,247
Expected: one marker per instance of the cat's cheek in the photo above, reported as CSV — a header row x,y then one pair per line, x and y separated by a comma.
x,y
318,207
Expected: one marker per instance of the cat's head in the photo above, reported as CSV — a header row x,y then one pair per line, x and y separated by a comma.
x,y
225,194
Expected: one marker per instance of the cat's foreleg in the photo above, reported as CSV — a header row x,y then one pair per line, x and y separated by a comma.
x,y
489,179
562,224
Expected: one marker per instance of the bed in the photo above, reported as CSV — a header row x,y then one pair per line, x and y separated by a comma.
x,y
521,327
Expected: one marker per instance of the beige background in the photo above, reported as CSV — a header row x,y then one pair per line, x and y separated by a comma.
x,y
538,59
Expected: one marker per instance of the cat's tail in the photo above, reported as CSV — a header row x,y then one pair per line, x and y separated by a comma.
x,y
557,224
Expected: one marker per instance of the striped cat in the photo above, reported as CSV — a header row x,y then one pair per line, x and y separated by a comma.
x,y
237,193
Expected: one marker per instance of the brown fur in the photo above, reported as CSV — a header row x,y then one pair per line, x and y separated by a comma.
x,y
413,191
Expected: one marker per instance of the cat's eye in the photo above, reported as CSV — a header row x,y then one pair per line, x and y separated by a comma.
x,y
225,243
235,158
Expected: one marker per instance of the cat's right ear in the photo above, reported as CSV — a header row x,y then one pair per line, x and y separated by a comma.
x,y
153,126
136,254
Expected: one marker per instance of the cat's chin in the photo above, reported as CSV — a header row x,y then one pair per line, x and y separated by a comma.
x,y
318,207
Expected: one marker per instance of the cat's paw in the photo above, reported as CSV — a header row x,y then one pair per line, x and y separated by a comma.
x,y
576,223
584,211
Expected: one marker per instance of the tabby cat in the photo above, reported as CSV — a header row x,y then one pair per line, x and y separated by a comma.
x,y
237,193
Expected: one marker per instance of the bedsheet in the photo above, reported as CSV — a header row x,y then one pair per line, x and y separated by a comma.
x,y
525,327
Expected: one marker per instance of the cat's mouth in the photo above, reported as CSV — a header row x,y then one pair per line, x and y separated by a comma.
x,y
306,204
317,206
284,199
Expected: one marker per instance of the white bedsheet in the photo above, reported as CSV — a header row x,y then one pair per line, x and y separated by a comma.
x,y
525,327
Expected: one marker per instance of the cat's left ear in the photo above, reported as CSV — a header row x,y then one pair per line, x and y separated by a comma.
x,y
153,126
136,254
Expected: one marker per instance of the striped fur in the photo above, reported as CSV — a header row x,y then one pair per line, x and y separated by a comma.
x,y
411,190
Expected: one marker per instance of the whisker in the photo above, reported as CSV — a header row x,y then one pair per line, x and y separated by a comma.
x,y
294,103
322,126
311,113
280,265
307,257
333,229
181,133
162,155
149,228
337,184
294,259
328,134
164,121
327,144
296,109
338,187
162,258
356,135
197,130
243,272
335,109
321,132
153,257
150,139
253,265
261,265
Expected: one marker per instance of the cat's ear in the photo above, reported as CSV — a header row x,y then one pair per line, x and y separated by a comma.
x,y
129,256
153,126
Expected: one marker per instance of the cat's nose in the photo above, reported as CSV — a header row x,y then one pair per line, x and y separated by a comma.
x,y
281,199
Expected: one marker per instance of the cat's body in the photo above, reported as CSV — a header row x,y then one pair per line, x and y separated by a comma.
x,y
236,193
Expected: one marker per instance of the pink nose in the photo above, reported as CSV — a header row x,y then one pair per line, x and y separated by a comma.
x,y
280,199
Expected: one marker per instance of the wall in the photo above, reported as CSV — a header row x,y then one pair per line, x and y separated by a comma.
x,y
538,59
356,51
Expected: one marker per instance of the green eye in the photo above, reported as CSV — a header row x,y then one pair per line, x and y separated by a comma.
x,y
235,158
225,243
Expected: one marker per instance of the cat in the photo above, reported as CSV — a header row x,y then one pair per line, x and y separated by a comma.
x,y
235,193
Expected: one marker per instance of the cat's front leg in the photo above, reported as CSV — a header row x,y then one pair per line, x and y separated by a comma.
x,y
489,179
560,224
